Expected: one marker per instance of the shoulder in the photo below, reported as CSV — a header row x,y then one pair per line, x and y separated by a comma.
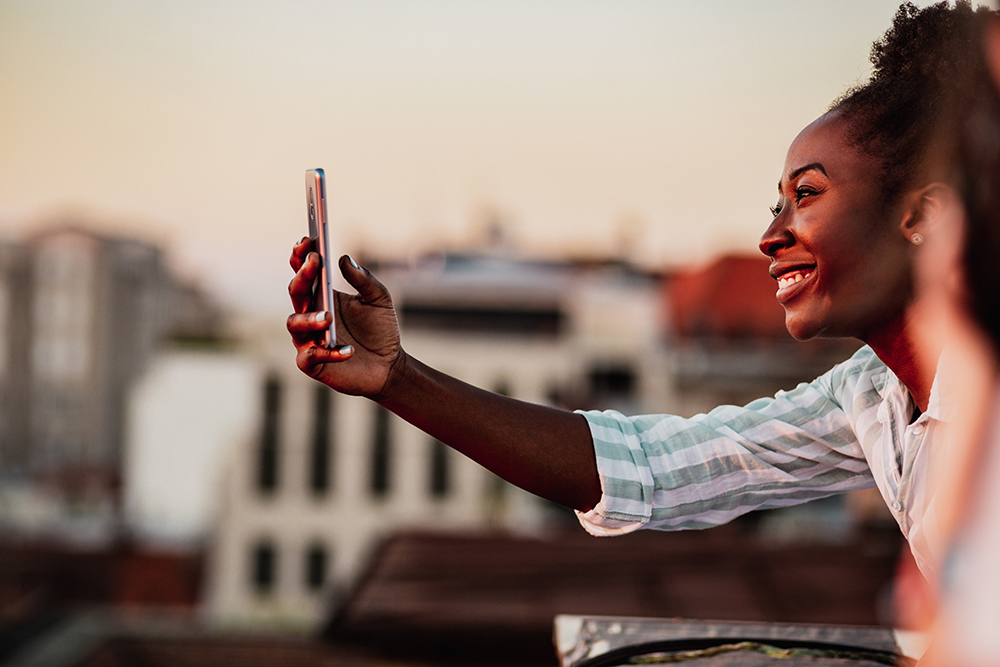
x,y
857,382
861,362
857,375
864,362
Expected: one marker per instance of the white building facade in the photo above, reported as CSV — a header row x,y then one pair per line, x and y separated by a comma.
x,y
325,477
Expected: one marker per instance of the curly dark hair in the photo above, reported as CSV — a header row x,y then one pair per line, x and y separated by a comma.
x,y
917,66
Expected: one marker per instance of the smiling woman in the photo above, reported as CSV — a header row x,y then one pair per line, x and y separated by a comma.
x,y
854,199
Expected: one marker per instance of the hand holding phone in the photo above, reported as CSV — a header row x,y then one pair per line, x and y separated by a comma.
x,y
319,232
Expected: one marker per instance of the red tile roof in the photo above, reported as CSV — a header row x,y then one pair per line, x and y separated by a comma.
x,y
730,297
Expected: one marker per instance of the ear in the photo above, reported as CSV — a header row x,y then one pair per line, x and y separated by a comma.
x,y
929,208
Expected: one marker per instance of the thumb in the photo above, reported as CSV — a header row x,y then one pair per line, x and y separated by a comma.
x,y
369,288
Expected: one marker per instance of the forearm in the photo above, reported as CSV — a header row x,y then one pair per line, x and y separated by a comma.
x,y
544,450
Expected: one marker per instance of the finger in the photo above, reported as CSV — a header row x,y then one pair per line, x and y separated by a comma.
x,y
312,357
369,288
299,252
310,323
300,289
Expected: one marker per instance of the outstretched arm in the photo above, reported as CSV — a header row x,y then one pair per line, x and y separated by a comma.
x,y
544,450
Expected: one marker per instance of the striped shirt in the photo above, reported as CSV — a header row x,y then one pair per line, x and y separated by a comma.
x,y
848,429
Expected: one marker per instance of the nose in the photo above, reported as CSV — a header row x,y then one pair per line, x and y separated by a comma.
x,y
776,236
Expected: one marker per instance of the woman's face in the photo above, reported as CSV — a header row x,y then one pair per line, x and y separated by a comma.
x,y
841,259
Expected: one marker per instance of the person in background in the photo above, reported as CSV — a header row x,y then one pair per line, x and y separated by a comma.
x,y
855,198
958,274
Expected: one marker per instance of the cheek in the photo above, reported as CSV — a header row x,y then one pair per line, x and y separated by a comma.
x,y
865,254
884,285
840,235
844,263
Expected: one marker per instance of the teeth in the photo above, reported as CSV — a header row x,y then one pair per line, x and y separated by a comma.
x,y
791,278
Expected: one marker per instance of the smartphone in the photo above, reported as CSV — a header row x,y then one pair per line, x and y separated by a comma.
x,y
319,232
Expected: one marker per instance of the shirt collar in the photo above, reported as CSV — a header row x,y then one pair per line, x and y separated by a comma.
x,y
889,386
884,381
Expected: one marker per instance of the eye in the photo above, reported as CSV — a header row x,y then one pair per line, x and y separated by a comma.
x,y
803,192
776,209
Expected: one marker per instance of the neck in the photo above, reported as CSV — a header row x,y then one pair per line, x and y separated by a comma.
x,y
895,345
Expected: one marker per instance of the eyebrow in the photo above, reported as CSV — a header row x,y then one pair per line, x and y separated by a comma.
x,y
801,170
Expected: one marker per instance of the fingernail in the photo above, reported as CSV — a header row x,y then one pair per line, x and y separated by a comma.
x,y
346,349
320,316
303,240
353,263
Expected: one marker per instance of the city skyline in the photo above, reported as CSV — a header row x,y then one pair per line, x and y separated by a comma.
x,y
581,127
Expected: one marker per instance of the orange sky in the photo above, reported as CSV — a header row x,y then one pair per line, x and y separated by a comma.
x,y
191,123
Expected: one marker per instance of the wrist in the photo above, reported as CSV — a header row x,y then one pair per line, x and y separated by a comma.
x,y
395,379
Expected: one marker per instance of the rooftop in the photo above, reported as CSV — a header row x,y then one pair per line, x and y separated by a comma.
x,y
466,597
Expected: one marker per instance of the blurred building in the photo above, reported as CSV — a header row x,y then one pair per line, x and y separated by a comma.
x,y
189,412
81,315
326,477
15,341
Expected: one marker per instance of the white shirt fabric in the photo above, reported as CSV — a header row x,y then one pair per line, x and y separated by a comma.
x,y
848,429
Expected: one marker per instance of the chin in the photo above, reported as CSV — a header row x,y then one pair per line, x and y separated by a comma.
x,y
802,335
801,328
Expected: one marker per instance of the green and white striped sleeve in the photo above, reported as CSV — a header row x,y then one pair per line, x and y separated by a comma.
x,y
670,473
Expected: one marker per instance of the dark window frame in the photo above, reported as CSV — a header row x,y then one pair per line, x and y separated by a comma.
x,y
380,479
316,566
268,460
264,567
322,443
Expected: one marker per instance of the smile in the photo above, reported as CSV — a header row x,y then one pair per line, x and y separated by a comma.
x,y
793,277
789,284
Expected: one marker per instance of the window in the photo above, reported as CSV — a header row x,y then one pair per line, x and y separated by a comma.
x,y
264,567
547,321
381,454
440,470
316,567
320,453
267,469
610,381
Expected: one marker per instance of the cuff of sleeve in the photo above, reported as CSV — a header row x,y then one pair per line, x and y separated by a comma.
x,y
599,525
625,481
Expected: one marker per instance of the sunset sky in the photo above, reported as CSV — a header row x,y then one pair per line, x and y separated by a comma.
x,y
576,123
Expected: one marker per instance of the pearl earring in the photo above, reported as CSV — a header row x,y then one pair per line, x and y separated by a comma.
x,y
917,239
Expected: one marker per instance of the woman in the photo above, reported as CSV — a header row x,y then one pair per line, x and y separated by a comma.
x,y
853,203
